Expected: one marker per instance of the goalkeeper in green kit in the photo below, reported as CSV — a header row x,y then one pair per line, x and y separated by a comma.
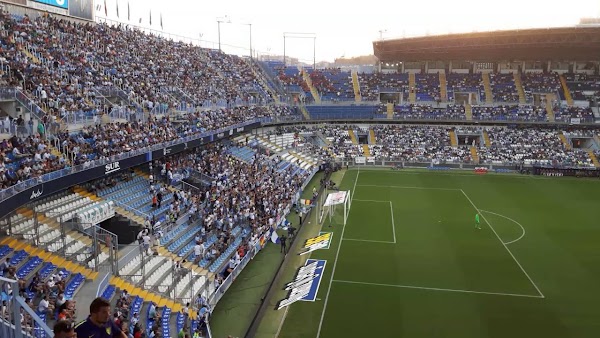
x,y
477,224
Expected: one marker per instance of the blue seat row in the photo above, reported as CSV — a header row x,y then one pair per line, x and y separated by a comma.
x,y
109,292
46,270
172,234
165,322
18,257
28,267
225,255
73,285
136,306
183,239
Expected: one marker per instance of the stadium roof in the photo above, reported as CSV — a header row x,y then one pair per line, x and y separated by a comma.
x,y
547,44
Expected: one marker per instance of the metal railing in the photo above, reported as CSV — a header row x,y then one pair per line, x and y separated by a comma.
x,y
13,309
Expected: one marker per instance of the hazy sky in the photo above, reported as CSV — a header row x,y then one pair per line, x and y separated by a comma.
x,y
343,28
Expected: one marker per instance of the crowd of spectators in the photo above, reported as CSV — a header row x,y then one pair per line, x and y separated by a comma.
x,y
371,84
566,114
427,87
583,86
509,113
68,79
530,146
470,83
503,87
333,84
542,83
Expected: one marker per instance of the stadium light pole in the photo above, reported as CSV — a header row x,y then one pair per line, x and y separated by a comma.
x,y
224,19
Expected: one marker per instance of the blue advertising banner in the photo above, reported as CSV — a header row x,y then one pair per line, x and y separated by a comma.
x,y
56,3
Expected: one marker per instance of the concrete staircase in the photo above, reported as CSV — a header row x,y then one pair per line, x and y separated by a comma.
x,y
264,83
474,155
313,90
366,150
352,136
565,88
487,86
390,111
549,110
372,139
412,95
594,158
356,86
486,139
468,112
519,85
305,113
453,139
443,87
564,140
32,57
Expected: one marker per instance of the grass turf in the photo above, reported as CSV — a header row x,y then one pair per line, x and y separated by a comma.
x,y
444,278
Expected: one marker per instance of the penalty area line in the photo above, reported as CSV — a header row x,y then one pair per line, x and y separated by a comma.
x,y
438,289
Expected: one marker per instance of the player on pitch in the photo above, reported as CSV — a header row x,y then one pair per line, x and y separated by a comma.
x,y
477,224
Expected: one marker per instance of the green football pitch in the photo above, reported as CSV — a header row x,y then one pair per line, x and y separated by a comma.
x,y
410,262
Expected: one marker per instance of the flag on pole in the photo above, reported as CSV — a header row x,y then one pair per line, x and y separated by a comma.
x,y
128,12
161,24
117,8
150,18
105,9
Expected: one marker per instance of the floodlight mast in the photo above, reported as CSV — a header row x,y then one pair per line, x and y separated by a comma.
x,y
296,35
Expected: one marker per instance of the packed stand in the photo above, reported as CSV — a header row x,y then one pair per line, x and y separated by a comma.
x,y
333,84
23,158
427,112
509,113
529,146
427,87
70,78
566,114
543,83
465,83
371,84
425,144
503,87
583,86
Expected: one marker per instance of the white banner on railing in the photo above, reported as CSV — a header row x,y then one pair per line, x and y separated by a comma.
x,y
360,160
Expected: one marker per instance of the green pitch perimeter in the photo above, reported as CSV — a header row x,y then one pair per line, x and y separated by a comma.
x,y
412,264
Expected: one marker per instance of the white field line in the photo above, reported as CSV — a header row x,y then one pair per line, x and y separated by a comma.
x,y
367,240
406,187
393,224
337,254
374,201
438,289
500,239
512,220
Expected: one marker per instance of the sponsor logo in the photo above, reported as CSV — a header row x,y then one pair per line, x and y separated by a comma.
x,y
111,168
239,130
37,193
220,135
306,284
166,151
323,241
185,145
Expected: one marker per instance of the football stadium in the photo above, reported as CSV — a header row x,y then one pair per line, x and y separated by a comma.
x,y
157,185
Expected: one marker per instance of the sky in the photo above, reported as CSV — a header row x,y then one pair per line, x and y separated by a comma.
x,y
341,28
